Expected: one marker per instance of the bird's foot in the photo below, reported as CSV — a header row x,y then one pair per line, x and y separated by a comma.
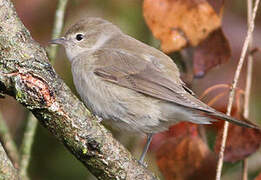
x,y
144,164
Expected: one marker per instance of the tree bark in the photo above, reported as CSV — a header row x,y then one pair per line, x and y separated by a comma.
x,y
26,74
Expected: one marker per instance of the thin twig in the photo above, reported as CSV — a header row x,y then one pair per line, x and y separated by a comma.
x,y
232,92
27,145
245,169
8,142
57,29
216,98
212,88
249,64
248,80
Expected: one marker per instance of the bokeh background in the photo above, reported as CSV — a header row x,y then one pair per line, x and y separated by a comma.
x,y
50,160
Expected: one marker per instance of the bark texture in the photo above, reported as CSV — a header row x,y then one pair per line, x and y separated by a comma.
x,y
26,74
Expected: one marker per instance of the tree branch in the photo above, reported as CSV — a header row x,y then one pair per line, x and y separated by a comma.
x,y
248,81
26,74
8,142
7,170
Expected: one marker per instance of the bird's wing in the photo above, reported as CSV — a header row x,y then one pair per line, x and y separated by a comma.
x,y
142,75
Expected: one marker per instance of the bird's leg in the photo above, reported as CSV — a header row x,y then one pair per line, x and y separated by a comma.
x,y
98,118
146,147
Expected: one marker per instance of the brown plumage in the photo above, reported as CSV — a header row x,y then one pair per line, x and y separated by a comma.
x,y
134,85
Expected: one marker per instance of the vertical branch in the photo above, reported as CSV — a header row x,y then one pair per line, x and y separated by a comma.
x,y
8,142
249,64
27,145
248,79
233,88
57,29
7,170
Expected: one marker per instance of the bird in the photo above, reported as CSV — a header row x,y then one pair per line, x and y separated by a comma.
x,y
130,84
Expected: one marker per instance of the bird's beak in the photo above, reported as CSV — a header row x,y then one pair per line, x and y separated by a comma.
x,y
61,41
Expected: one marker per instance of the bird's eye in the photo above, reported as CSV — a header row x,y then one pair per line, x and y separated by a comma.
x,y
79,37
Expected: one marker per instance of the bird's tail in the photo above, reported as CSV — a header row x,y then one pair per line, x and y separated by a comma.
x,y
244,123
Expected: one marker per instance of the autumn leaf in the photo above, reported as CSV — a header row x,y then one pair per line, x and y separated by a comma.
x,y
181,154
185,158
213,51
179,130
178,23
217,5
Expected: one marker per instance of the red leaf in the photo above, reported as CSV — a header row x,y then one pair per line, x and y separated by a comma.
x,y
213,51
186,158
178,130
181,154
241,142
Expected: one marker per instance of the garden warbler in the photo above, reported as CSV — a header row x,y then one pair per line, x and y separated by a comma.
x,y
131,84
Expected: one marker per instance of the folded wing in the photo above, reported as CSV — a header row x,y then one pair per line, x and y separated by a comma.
x,y
142,75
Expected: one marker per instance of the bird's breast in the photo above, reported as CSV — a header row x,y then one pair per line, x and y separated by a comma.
x,y
96,94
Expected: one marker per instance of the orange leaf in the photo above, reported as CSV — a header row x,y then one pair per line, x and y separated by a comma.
x,y
178,23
